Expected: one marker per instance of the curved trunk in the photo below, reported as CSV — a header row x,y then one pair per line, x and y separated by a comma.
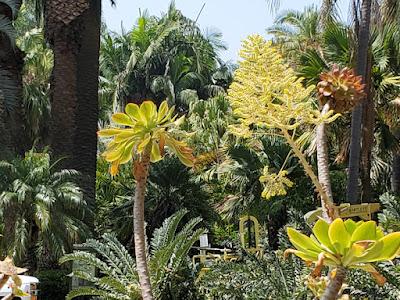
x,y
356,118
323,155
328,213
141,171
335,284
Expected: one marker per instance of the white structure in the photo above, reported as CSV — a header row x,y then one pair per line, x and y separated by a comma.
x,y
29,285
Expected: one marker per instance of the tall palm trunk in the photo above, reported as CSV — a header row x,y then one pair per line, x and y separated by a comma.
x,y
73,31
11,63
367,137
335,284
87,114
141,172
323,155
356,120
395,178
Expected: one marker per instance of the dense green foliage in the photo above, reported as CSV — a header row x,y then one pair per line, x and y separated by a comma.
x,y
118,279
238,121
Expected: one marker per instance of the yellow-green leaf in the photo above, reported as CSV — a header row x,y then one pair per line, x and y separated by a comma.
x,y
127,154
122,119
143,144
133,111
366,231
320,231
391,246
162,111
339,236
149,110
302,242
109,132
155,154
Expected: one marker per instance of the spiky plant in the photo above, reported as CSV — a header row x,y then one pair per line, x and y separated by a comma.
x,y
118,279
341,88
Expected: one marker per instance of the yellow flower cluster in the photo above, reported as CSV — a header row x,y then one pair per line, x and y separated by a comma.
x,y
267,93
275,184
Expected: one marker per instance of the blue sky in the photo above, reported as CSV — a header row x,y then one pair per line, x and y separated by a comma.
x,y
236,19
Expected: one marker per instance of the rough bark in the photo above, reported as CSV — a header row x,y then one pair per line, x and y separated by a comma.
x,y
73,31
356,119
12,137
85,139
368,126
141,171
335,284
323,155
395,177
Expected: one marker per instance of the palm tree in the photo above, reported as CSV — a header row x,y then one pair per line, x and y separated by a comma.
x,y
38,64
164,58
363,47
73,32
40,208
148,132
11,61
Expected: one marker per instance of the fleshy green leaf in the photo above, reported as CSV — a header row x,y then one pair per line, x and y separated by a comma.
x,y
339,236
155,154
122,119
133,111
320,231
366,231
302,242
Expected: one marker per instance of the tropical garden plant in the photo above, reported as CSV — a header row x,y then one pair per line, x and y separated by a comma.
x,y
343,245
42,210
273,101
144,140
118,279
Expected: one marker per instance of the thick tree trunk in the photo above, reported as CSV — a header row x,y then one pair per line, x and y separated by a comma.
x,y
141,171
323,155
335,284
12,137
73,31
85,139
356,120
367,137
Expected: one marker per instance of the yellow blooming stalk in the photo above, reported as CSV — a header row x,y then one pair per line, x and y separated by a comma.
x,y
275,184
266,94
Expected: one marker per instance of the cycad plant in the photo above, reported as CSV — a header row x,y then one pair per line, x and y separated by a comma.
x,y
118,278
40,208
144,135
343,245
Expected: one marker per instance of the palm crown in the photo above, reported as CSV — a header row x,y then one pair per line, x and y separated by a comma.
x,y
146,131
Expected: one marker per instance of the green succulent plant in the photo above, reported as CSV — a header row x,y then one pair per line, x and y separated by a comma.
x,y
344,245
